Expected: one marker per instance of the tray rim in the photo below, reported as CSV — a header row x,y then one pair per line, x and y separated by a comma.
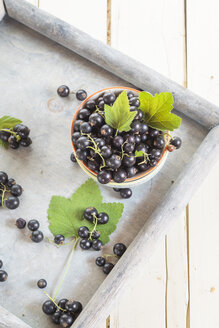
x,y
156,225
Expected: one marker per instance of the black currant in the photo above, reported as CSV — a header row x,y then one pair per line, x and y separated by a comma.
x,y
11,182
81,94
126,193
20,223
77,125
85,128
128,147
33,225
25,142
1,264
118,141
56,317
85,244
42,283
159,142
142,147
13,143
3,178
137,139
101,104
143,167
83,114
144,128
131,171
62,303
103,218
129,161
73,306
84,232
139,115
49,307
93,165
90,104
155,153
135,126
176,142
66,320
120,175
3,276
117,189
16,190
130,139
130,94
59,239
133,109
97,244
106,130
119,249
100,142
63,91
82,142
75,136
114,162
153,133
109,98
153,162
144,137
12,202
107,268
95,234
90,213
22,130
96,120
106,151
100,261
81,154
72,158
104,177
37,236
134,102
4,136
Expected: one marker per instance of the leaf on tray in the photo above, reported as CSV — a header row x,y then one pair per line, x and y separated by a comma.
x,y
119,115
4,144
65,215
8,122
157,111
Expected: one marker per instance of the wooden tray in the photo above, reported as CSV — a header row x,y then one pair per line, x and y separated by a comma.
x,y
32,67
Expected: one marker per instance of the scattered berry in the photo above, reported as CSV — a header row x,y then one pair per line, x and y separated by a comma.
x,y
126,193
59,239
20,223
63,91
176,142
119,249
3,276
97,245
84,232
90,213
85,244
66,320
42,283
100,261
16,190
62,303
37,236
49,307
1,264
81,94
12,202
103,218
72,158
73,306
107,268
33,225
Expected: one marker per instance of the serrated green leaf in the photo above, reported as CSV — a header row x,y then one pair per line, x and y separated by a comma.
x,y
65,215
8,122
139,153
4,144
119,115
157,111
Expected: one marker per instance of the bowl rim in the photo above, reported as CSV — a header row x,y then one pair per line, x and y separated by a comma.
x,y
138,176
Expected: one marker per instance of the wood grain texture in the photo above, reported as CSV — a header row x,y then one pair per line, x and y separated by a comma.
x,y
8,320
112,60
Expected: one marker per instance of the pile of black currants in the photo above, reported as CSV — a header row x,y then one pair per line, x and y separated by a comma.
x,y
111,154
66,312
3,273
33,225
91,238
9,192
101,261
18,136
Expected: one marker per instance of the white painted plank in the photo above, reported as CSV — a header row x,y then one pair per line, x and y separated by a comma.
x,y
2,10
204,251
153,33
89,16
203,48
34,2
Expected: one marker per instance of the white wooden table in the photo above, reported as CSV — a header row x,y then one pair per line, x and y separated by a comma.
x,y
180,285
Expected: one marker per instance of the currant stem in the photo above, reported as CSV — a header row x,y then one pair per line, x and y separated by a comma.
x,y
66,269
94,228
54,301
110,255
3,195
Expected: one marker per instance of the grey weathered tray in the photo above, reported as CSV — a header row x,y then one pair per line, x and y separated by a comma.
x,y
32,66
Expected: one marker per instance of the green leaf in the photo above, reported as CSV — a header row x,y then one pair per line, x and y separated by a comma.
x,y
119,116
4,144
8,122
65,215
139,153
157,111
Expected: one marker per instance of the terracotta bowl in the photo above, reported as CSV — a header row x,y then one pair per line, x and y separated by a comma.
x,y
140,177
